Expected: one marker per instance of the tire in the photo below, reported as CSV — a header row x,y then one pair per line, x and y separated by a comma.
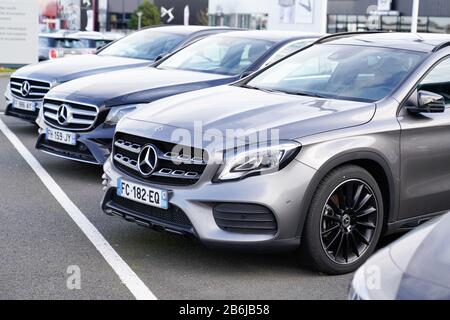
x,y
339,235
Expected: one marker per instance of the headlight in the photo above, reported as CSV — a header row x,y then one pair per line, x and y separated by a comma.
x,y
117,113
256,160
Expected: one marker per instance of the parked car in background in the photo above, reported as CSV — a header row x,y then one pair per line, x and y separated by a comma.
x,y
28,85
311,150
416,267
60,44
96,40
95,104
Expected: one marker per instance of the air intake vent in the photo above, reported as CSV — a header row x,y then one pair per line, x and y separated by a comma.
x,y
245,218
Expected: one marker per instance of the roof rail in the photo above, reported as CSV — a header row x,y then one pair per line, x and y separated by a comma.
x,y
441,46
345,34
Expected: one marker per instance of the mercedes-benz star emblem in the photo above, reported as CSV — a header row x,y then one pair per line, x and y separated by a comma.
x,y
25,89
147,161
63,114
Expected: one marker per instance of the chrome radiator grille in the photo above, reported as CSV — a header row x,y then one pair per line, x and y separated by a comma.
x,y
171,168
68,115
29,89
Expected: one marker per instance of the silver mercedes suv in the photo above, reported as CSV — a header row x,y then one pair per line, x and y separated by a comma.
x,y
331,148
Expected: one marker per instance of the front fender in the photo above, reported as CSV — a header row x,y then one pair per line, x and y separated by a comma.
x,y
381,149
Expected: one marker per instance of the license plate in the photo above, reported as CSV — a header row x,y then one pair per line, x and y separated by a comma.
x,y
24,105
61,136
143,194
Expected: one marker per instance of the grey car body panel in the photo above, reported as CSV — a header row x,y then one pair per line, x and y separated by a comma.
x,y
254,111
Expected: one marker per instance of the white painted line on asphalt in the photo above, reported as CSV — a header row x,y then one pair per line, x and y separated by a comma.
x,y
128,277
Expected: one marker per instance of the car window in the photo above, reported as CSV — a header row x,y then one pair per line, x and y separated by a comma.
x,y
221,55
341,72
69,43
146,44
287,50
44,42
438,80
93,44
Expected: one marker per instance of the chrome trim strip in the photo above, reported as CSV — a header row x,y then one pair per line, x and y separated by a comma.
x,y
27,99
32,79
119,158
68,158
51,115
121,144
53,107
170,157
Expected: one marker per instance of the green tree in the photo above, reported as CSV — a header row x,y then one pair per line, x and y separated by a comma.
x,y
150,15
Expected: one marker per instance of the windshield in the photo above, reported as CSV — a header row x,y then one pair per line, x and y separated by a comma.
x,y
69,44
91,43
146,44
341,72
221,55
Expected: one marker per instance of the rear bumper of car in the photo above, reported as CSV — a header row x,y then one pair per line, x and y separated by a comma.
x,y
194,210
92,147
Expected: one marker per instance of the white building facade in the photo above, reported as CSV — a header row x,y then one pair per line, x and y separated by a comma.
x,y
300,15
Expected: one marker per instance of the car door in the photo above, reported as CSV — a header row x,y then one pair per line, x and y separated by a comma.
x,y
425,151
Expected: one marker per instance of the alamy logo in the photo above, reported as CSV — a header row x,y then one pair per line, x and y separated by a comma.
x,y
73,282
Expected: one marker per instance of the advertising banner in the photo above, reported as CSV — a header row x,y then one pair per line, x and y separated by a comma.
x,y
18,32
66,15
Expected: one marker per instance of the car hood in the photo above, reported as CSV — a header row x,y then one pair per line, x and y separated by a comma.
x,y
69,68
424,254
234,108
139,85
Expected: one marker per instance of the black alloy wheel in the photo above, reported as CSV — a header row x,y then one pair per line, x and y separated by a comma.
x,y
349,221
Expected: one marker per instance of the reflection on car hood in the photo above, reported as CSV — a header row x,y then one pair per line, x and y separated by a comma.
x,y
139,85
234,108
69,68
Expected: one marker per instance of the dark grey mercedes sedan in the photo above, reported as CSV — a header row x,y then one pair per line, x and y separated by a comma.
x,y
28,86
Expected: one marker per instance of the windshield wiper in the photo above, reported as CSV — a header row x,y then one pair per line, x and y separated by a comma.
x,y
307,94
262,89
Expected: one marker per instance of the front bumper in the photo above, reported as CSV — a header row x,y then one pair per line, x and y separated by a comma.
x,y
29,116
92,147
281,193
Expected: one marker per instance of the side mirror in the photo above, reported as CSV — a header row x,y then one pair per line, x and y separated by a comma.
x,y
427,102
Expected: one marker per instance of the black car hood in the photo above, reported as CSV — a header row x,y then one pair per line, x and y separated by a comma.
x,y
139,85
66,69
235,108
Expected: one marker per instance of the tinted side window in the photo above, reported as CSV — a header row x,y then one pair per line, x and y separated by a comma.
x,y
44,42
438,80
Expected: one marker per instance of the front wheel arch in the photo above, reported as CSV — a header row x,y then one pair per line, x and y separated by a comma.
x,y
369,160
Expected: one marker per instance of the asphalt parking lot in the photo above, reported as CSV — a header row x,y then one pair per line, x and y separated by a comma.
x,y
40,242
